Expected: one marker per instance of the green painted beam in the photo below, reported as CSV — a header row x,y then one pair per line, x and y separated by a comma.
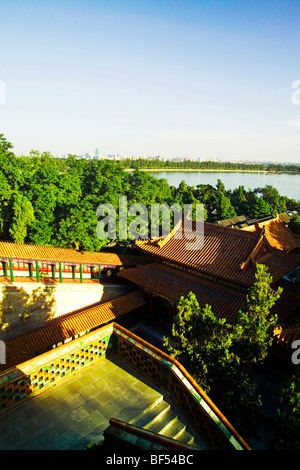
x,y
80,272
30,270
37,270
11,270
60,272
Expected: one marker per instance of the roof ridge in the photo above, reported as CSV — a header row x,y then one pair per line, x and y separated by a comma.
x,y
269,236
255,249
160,242
33,245
231,230
49,332
192,277
82,310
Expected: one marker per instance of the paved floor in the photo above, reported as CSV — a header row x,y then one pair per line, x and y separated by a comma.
x,y
75,412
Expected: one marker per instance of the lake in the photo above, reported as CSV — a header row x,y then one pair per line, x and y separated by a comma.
x,y
286,184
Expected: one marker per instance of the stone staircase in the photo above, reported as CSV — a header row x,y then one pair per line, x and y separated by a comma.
x,y
162,418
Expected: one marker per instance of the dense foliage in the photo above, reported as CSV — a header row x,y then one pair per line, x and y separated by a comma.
x,y
294,224
223,357
51,201
289,413
207,165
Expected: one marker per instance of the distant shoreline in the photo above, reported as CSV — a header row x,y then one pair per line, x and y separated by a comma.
x,y
203,170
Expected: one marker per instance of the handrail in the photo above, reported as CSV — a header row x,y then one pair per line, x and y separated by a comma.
x,y
151,436
191,387
187,376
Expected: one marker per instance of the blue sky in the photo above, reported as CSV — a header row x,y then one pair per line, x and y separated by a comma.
x,y
173,78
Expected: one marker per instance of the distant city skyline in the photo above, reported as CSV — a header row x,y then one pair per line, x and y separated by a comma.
x,y
197,79
98,155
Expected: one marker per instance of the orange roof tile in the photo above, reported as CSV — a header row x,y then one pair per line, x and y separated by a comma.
x,y
48,253
280,263
277,234
30,344
225,253
171,284
287,304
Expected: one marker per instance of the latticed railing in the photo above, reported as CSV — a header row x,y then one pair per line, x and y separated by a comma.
x,y
34,376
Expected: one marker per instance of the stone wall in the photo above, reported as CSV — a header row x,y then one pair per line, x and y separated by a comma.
x,y
25,306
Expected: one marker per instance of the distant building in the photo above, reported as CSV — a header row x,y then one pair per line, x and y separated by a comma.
x,y
220,273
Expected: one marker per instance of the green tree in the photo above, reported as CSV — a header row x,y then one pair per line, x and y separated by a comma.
x,y
238,200
222,357
207,195
5,196
289,413
224,208
256,319
271,196
221,186
201,341
23,216
294,224
78,229
260,209
292,205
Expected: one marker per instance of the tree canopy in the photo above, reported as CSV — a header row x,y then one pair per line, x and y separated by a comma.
x,y
52,201
221,356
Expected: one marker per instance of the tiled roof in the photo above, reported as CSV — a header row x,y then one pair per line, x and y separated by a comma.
x,y
232,221
277,235
287,304
48,253
225,253
30,344
280,263
171,284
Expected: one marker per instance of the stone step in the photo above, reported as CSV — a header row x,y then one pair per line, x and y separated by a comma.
x,y
162,421
174,428
143,418
160,418
185,436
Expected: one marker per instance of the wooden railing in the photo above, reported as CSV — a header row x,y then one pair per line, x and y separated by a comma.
x,y
144,436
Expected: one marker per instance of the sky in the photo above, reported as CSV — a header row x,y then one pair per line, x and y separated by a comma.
x,y
193,78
